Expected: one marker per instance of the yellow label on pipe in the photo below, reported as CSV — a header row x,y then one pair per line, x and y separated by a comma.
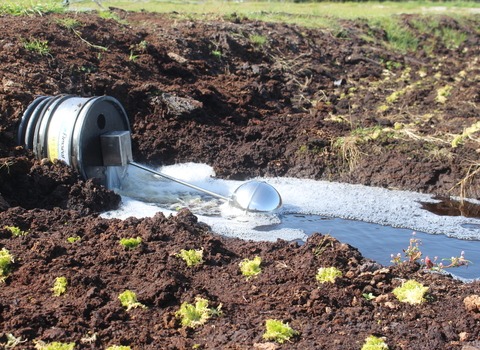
x,y
53,148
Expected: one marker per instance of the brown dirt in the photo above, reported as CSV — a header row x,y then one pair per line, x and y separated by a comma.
x,y
305,104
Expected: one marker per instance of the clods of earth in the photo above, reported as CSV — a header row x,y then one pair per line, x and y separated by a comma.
x,y
251,99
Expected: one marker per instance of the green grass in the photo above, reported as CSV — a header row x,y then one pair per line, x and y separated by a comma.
x,y
37,46
398,36
290,10
310,14
31,8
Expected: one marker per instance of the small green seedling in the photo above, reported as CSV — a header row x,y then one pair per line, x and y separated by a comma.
x,y
374,343
60,286
73,239
196,315
411,292
191,257
327,274
368,296
40,345
5,263
251,268
278,331
131,243
217,54
129,300
15,231
118,347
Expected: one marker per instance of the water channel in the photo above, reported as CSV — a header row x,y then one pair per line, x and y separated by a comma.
x,y
377,221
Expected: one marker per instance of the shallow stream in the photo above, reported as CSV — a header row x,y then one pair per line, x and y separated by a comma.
x,y
379,222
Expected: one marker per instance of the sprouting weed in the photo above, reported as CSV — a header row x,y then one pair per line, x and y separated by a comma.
x,y
196,315
278,331
251,268
129,300
40,345
73,239
15,231
413,253
411,292
6,259
118,347
374,343
191,257
131,243
133,57
60,286
368,296
327,274
6,164
455,261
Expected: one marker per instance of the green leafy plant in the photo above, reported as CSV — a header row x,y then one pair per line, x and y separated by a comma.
x,y
16,231
60,286
278,331
40,345
196,315
131,243
73,239
129,300
374,343
6,259
37,46
327,274
118,347
251,268
191,257
411,292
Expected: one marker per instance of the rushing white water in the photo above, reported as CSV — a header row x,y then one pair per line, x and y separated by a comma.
x,y
144,194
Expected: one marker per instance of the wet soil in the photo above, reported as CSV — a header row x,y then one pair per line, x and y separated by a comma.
x,y
338,105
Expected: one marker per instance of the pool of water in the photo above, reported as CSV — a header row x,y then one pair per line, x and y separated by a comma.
x,y
377,221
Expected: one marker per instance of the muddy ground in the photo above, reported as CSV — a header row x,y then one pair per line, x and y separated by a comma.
x,y
249,98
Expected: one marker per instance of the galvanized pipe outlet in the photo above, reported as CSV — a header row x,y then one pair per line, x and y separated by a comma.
x,y
92,135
